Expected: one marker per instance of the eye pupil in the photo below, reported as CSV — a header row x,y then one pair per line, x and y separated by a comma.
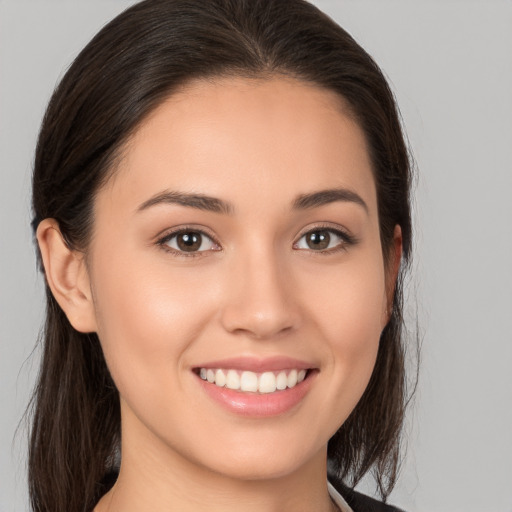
x,y
318,240
190,241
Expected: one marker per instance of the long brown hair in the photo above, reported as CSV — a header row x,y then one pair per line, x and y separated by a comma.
x,y
125,72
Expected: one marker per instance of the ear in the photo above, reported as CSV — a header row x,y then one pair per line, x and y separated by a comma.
x,y
67,277
395,258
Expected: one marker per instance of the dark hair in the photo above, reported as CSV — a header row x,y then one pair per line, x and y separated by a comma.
x,y
126,71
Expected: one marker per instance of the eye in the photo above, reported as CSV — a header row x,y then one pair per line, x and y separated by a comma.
x,y
188,242
324,240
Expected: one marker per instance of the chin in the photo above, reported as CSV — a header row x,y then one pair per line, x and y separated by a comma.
x,y
262,460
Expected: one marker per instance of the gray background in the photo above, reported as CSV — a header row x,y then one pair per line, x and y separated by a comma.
x,y
449,63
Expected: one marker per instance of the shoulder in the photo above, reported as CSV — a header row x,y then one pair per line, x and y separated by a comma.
x,y
359,502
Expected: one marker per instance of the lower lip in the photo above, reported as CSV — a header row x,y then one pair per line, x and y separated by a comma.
x,y
258,405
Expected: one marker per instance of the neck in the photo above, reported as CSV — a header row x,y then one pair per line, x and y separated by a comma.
x,y
155,478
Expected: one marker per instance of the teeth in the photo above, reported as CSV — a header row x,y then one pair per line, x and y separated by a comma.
x,y
267,382
281,381
292,378
249,381
232,380
220,378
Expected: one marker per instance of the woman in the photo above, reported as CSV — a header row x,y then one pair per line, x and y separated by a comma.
x,y
221,205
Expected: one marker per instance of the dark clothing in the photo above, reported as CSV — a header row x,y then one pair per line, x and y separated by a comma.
x,y
359,502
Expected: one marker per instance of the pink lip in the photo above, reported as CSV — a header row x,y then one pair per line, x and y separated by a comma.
x,y
258,405
257,365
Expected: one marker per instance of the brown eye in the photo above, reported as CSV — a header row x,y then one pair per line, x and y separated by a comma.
x,y
318,240
189,241
325,240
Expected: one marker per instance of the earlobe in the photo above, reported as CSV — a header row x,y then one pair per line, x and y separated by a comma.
x,y
67,277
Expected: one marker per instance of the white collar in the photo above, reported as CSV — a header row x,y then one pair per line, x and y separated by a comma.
x,y
338,499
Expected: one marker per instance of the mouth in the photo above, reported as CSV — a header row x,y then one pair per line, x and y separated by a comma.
x,y
254,382
257,388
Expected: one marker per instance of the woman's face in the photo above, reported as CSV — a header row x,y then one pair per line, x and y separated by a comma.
x,y
238,245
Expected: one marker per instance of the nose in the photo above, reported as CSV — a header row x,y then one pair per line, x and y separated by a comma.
x,y
260,300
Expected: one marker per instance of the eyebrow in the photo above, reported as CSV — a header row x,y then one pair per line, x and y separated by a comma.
x,y
213,204
199,201
331,195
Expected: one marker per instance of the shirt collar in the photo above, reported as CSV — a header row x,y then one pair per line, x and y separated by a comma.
x,y
338,499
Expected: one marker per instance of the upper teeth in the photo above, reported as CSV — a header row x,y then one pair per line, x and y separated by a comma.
x,y
266,382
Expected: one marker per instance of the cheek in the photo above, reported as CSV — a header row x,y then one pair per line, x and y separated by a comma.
x,y
350,310
147,316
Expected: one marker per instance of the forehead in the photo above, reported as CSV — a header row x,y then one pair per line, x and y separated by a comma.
x,y
255,141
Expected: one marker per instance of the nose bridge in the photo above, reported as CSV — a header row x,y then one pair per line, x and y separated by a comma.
x,y
260,299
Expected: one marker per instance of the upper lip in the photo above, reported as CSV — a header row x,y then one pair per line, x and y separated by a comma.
x,y
258,364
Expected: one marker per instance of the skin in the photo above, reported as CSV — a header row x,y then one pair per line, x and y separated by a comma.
x,y
257,289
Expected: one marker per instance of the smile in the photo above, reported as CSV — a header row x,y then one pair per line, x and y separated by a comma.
x,y
253,382
257,388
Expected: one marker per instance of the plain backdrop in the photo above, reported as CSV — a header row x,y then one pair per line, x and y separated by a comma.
x,y
450,66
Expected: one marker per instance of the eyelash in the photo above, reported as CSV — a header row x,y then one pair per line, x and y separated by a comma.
x,y
346,240
187,229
